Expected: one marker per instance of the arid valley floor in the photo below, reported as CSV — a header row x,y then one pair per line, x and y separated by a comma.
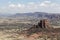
x,y
13,30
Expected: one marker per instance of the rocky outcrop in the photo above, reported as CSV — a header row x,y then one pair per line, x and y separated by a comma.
x,y
43,25
42,29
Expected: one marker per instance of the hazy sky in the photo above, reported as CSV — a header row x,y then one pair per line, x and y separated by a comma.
x,y
20,6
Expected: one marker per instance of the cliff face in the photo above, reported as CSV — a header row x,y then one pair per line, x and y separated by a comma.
x,y
44,24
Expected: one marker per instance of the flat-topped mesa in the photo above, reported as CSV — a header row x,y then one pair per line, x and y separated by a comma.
x,y
44,24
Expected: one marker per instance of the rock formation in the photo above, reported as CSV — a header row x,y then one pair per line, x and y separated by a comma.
x,y
43,28
44,24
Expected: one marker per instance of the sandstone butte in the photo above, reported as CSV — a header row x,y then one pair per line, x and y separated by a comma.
x,y
42,28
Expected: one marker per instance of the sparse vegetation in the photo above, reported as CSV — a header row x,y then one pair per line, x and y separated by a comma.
x,y
11,28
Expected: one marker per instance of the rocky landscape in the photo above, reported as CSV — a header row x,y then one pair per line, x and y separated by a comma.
x,y
37,26
42,31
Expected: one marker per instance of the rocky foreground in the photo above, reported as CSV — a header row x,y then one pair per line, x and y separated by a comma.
x,y
42,31
14,34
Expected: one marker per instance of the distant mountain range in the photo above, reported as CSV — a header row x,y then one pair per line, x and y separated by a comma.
x,y
5,15
36,15
32,15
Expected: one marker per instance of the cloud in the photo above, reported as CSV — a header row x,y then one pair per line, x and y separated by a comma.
x,y
47,1
31,3
12,5
48,6
45,6
19,5
16,5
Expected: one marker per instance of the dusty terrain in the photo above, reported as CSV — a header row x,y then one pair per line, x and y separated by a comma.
x,y
10,30
13,35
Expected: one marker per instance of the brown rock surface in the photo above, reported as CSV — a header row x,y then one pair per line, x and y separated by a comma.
x,y
42,28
